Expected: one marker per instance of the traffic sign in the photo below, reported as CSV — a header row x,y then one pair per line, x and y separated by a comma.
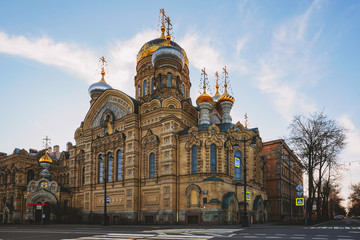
x,y
299,188
248,196
107,199
299,194
299,201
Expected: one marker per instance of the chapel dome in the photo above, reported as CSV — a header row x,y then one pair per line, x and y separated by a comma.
x,y
226,97
204,98
46,158
99,87
150,47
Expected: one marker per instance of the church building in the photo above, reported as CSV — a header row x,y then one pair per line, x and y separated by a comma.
x,y
156,158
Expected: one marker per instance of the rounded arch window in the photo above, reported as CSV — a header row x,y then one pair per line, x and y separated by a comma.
x,y
145,87
183,89
152,165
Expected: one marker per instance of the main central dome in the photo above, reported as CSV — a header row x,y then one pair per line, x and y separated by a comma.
x,y
150,47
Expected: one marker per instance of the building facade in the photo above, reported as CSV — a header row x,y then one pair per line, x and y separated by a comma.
x,y
161,158
283,174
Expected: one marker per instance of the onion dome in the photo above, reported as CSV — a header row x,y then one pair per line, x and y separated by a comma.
x,y
150,47
226,97
46,158
168,52
204,97
96,89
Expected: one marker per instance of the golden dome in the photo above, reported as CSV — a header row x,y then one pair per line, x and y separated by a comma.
x,y
45,158
204,98
150,47
226,96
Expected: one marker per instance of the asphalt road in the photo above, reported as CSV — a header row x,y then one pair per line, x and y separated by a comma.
x,y
347,229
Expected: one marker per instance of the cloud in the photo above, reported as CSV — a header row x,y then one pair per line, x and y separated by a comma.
x,y
68,56
122,61
291,63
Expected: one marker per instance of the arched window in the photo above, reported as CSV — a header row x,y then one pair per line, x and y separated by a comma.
x,y
145,88
118,155
139,90
83,175
152,165
238,165
153,85
100,169
213,161
160,80
183,89
109,166
30,175
169,80
194,159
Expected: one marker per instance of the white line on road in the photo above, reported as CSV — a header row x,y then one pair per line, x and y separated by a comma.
x,y
322,235
273,237
297,237
320,238
280,234
343,236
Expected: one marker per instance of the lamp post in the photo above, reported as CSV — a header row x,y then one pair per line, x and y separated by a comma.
x,y
245,222
100,159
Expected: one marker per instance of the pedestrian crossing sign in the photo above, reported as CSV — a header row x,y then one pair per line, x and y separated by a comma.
x,y
299,201
237,162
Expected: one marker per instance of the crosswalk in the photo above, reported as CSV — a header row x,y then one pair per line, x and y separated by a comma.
x,y
335,228
165,234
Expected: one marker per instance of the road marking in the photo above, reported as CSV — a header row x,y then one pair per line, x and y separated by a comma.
x,y
347,228
280,234
320,238
273,237
322,235
297,237
250,236
260,234
343,236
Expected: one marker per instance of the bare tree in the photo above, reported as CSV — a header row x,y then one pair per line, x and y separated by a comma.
x,y
318,141
355,200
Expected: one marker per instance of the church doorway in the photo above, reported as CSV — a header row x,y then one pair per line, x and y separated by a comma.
x,y
42,212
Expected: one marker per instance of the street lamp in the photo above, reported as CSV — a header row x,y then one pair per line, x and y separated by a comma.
x,y
100,159
245,222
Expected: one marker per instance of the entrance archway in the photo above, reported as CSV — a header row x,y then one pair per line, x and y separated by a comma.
x,y
40,207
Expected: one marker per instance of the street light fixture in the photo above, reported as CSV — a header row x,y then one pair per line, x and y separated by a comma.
x,y
100,159
245,221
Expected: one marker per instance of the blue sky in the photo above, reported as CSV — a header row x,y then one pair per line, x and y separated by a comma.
x,y
284,58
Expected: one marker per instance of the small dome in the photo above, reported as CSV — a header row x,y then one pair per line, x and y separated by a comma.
x,y
204,98
46,158
216,96
226,97
96,89
168,52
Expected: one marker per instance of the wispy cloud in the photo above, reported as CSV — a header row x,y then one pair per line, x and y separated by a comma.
x,y
291,63
68,56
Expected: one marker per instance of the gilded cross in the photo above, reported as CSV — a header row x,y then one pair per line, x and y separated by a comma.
x,y
46,141
226,73
217,77
162,12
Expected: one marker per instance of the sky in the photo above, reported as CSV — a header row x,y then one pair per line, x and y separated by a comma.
x,y
284,58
